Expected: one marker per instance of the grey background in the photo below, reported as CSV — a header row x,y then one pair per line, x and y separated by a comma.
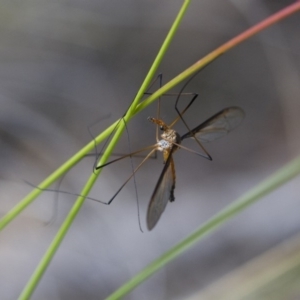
x,y
64,65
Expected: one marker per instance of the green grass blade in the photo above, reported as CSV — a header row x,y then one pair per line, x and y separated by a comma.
x,y
38,273
132,109
280,177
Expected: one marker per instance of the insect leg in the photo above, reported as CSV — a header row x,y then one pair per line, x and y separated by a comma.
x,y
184,110
136,169
206,155
127,155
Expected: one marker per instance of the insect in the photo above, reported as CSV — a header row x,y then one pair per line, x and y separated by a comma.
x,y
215,127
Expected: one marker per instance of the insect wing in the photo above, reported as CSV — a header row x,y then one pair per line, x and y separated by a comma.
x,y
163,192
218,125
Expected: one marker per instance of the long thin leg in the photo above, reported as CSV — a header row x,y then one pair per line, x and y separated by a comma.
x,y
107,140
158,110
97,200
183,111
172,94
92,136
127,155
134,180
65,192
190,150
136,169
159,79
114,196
207,156
55,202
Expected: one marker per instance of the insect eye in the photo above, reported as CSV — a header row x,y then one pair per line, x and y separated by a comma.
x,y
161,127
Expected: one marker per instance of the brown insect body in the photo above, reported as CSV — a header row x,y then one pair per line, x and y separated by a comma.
x,y
169,137
167,145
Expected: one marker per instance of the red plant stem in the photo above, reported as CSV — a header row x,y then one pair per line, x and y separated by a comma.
x,y
247,34
200,64
261,26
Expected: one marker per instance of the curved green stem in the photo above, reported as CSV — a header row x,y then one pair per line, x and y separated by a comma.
x,y
41,268
286,173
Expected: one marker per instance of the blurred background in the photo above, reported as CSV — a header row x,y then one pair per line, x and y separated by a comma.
x,y
64,65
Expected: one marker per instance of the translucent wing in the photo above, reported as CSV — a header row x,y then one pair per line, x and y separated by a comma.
x,y
218,125
163,192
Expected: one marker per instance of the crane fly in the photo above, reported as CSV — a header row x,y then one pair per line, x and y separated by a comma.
x,y
215,127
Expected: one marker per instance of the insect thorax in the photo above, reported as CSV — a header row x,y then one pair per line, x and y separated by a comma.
x,y
169,137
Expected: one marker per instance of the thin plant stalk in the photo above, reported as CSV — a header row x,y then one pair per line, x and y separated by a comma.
x,y
286,173
41,268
